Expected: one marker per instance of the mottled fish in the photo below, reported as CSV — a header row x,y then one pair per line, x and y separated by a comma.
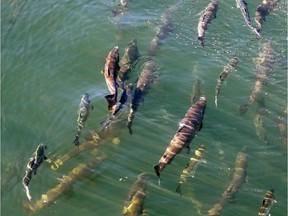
x,y
267,203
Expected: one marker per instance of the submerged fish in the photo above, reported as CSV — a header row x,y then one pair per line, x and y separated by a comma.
x,y
230,67
258,122
264,67
242,5
145,79
34,162
110,72
188,128
206,17
122,7
196,92
129,58
239,177
267,203
191,167
137,194
83,113
263,10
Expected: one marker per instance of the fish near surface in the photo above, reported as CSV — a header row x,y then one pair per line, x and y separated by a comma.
x,y
243,6
258,120
188,128
206,17
130,56
230,67
145,79
191,167
140,183
34,162
264,66
110,72
267,203
263,10
122,7
83,113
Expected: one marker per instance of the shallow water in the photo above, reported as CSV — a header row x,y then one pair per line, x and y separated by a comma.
x,y
53,52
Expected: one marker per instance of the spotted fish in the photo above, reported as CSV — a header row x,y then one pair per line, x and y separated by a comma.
x,y
267,203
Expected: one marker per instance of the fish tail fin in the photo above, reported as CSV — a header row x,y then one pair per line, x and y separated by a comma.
x,y
157,170
111,99
243,109
201,41
76,140
178,189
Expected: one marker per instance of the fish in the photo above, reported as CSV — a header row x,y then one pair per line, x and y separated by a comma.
x,y
136,196
131,55
282,126
122,7
243,6
145,79
258,122
196,92
188,128
230,67
263,10
84,111
34,162
79,172
110,72
164,29
264,66
239,177
191,167
206,17
267,203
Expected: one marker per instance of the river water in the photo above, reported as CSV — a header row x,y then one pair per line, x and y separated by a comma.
x,y
54,51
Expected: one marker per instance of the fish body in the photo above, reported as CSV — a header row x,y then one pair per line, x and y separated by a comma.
x,y
258,122
34,162
267,203
196,92
191,167
83,113
206,17
188,128
140,183
263,10
145,79
110,72
243,6
129,58
264,66
230,67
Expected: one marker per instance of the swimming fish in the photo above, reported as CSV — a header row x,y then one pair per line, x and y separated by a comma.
x,y
83,113
110,72
196,92
145,79
263,10
267,203
34,162
206,17
239,177
230,67
130,56
264,67
79,172
136,197
258,122
188,128
191,167
243,6
122,7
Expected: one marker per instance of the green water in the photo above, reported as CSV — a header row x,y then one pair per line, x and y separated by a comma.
x,y
53,52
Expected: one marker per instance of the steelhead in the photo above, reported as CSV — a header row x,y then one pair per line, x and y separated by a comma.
x,y
188,128
206,17
229,68
110,72
191,167
267,203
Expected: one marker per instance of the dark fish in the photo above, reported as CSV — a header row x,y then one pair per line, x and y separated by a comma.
x,y
122,8
258,122
263,10
239,177
264,67
144,82
267,203
83,113
129,58
110,72
136,197
34,162
206,17
230,67
188,128
242,5
79,172
164,29
191,167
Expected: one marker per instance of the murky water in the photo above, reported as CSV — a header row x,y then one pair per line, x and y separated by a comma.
x,y
53,52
